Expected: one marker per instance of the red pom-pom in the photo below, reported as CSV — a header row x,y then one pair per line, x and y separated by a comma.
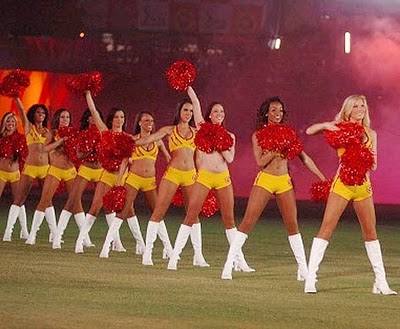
x,y
320,190
14,83
114,148
177,199
114,199
70,144
280,138
350,133
79,84
355,162
210,205
14,146
213,137
204,138
223,141
89,143
181,74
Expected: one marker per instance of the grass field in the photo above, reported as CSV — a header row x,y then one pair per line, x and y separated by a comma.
x,y
45,288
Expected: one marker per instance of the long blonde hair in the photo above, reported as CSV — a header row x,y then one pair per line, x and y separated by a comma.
x,y
345,111
6,116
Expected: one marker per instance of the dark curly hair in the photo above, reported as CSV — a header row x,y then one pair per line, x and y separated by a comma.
x,y
264,108
31,113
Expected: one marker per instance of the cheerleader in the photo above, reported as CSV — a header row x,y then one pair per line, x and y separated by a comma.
x,y
273,179
90,170
61,169
13,152
355,187
213,173
141,177
37,161
181,172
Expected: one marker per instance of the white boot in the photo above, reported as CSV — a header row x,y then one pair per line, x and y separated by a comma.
x,y
11,220
86,226
111,234
134,226
38,217
316,255
116,244
240,262
234,249
296,243
50,215
375,257
195,236
163,235
79,220
151,236
180,242
62,225
22,220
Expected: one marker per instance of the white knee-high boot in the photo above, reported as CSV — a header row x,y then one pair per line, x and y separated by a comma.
x,y
62,225
38,217
375,257
151,236
240,262
117,243
195,236
316,255
84,231
296,243
79,220
234,249
134,226
111,234
22,220
163,235
11,220
180,242
50,215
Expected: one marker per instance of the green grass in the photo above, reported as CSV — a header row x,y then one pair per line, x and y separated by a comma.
x,y
45,288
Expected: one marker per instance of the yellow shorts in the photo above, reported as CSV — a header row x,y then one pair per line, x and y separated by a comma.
x,y
214,180
90,174
180,177
355,193
35,171
62,174
141,183
109,178
10,176
272,183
